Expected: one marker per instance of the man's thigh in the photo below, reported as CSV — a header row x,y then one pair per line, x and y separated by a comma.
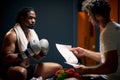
x,y
47,69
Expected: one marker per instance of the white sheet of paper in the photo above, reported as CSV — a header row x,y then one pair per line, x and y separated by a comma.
x,y
68,55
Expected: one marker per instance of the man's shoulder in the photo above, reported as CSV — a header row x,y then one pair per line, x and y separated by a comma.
x,y
10,34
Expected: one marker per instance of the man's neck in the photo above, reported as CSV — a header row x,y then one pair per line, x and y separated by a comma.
x,y
104,22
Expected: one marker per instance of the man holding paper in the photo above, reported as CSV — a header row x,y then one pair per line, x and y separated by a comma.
x,y
98,12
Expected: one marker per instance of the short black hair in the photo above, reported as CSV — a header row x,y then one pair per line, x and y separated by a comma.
x,y
23,13
101,7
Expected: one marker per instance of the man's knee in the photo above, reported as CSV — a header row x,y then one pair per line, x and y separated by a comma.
x,y
17,73
58,66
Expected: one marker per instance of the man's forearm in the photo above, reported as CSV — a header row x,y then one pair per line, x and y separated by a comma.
x,y
93,55
12,58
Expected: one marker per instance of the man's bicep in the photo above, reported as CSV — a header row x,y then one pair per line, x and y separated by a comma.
x,y
9,43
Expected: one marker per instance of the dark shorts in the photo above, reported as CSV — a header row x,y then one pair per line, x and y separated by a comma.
x,y
30,71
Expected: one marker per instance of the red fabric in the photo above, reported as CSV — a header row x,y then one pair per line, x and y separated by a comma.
x,y
70,73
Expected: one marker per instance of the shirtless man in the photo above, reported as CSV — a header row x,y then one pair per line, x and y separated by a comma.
x,y
13,66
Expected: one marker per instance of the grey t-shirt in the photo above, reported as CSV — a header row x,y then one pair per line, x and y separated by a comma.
x,y
110,40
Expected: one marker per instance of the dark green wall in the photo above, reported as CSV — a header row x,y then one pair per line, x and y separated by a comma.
x,y
56,21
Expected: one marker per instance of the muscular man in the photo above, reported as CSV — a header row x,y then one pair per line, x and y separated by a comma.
x,y
14,67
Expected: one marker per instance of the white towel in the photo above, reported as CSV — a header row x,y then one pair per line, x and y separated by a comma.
x,y
22,40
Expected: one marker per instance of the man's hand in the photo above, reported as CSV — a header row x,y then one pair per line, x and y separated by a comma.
x,y
44,47
80,69
79,52
33,48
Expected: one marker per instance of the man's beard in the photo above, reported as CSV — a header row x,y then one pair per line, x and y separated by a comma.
x,y
31,27
96,24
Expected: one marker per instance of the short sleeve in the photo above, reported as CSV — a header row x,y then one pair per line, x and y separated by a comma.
x,y
109,40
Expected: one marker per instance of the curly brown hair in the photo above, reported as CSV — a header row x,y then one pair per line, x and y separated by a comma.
x,y
101,7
